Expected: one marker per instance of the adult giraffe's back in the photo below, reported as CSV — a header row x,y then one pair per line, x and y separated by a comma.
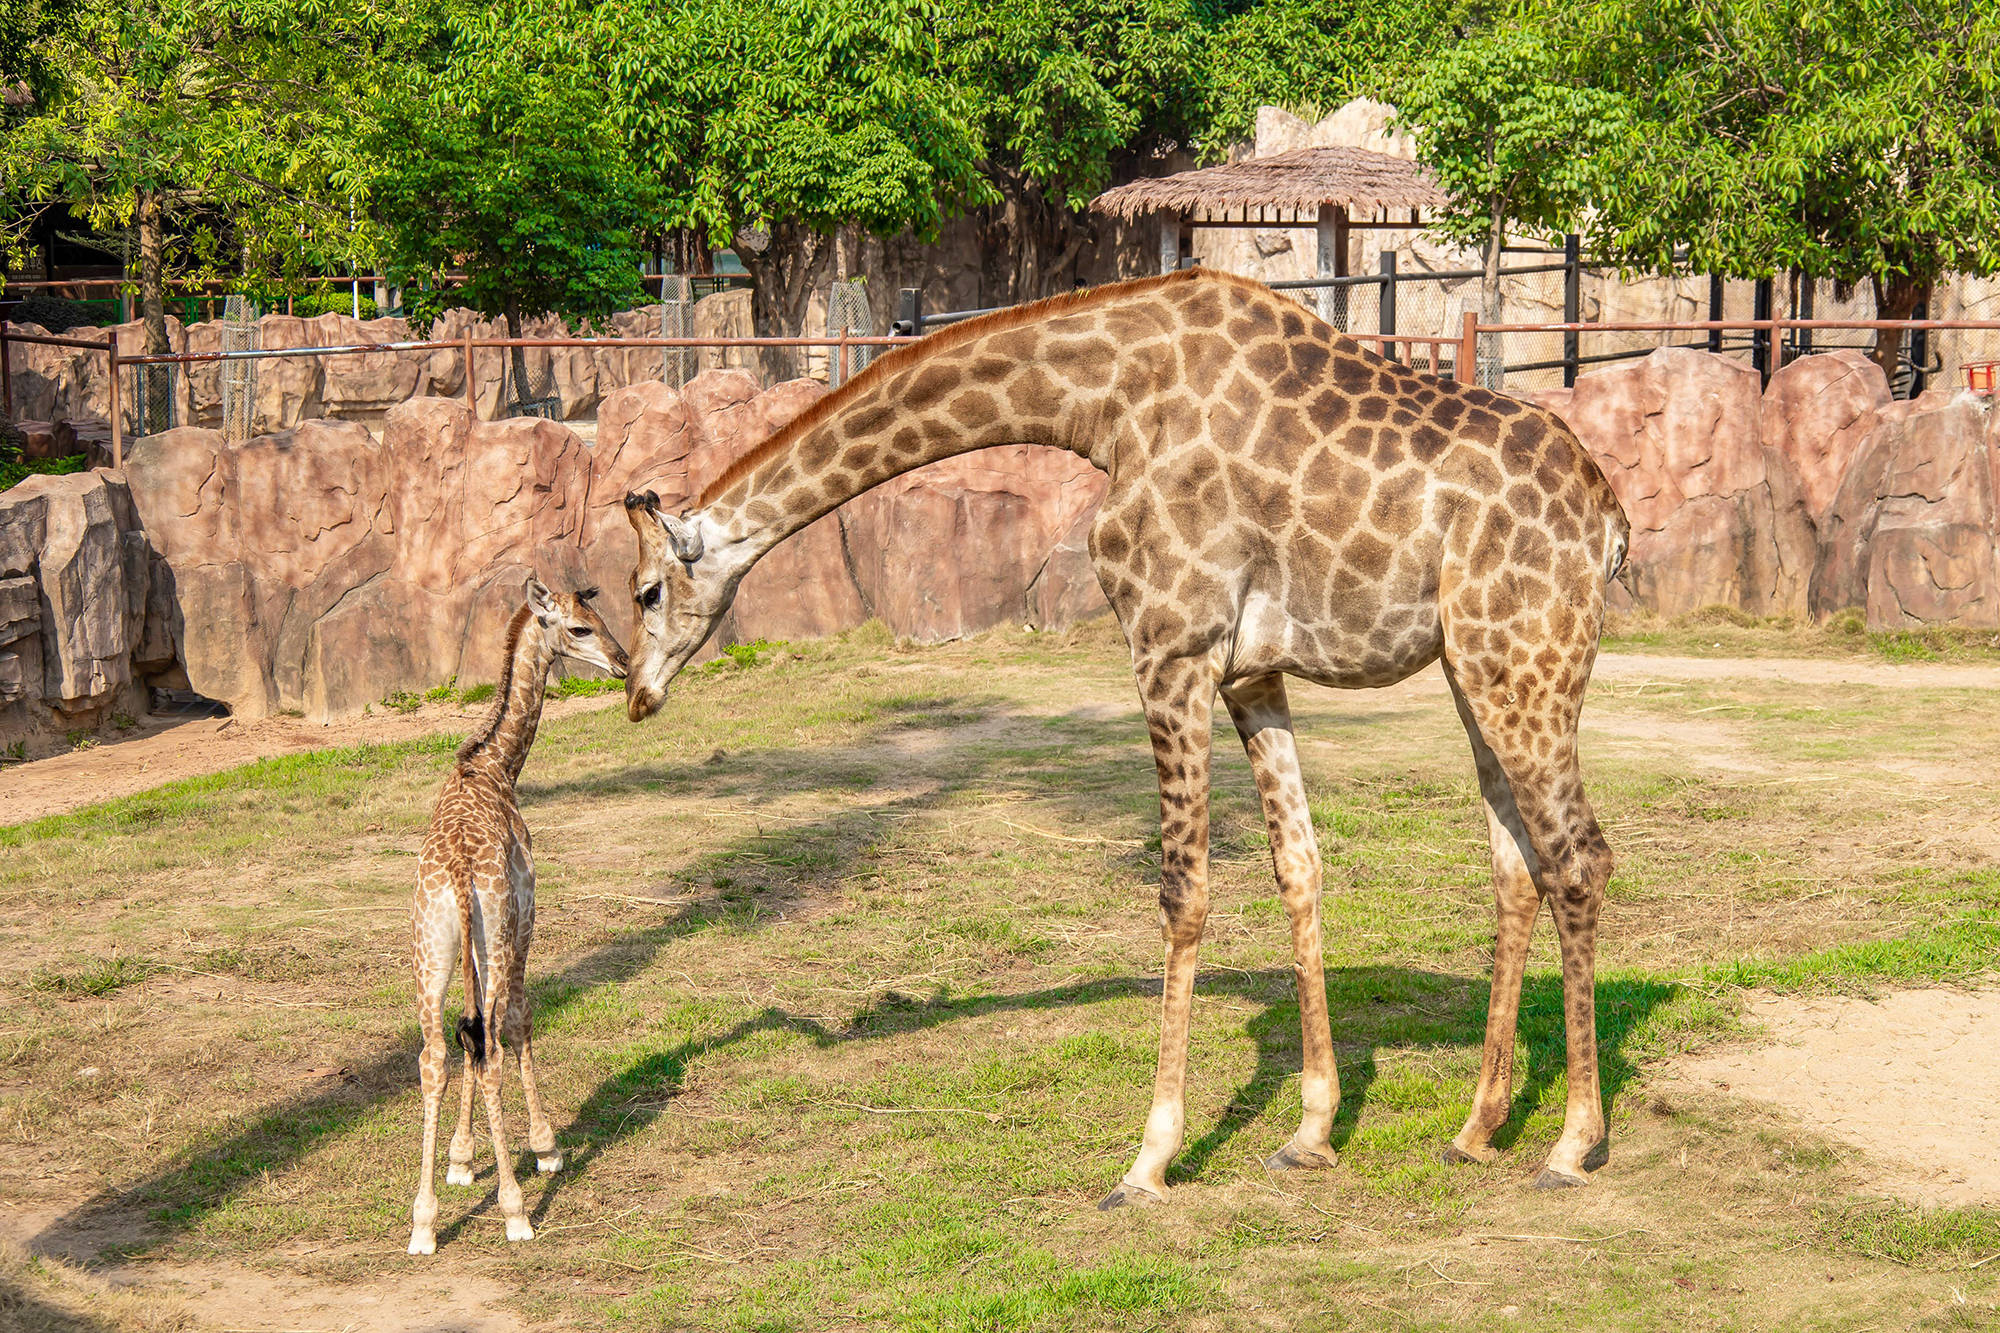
x,y
1280,502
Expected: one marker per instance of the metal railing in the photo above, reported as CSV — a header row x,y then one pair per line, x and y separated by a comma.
x,y
1449,355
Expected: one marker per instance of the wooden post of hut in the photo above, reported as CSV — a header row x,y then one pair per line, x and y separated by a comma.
x,y
1332,232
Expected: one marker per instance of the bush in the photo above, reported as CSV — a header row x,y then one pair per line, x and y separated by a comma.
x,y
54,313
330,299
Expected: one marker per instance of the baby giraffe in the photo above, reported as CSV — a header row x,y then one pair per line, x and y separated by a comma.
x,y
476,887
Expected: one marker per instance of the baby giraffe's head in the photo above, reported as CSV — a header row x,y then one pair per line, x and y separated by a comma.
x,y
573,629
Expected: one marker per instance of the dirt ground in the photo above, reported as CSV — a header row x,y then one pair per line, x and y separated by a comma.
x,y
846,978
1911,1077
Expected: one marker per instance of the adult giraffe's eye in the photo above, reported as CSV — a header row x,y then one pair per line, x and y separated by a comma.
x,y
651,597
580,631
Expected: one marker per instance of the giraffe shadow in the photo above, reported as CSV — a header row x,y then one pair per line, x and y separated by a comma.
x,y
1373,1007
1088,771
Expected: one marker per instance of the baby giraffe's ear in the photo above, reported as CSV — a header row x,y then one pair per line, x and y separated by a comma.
x,y
541,601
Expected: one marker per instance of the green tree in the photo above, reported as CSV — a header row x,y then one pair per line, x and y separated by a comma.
x,y
216,131
1511,138
770,126
500,157
1857,141
1067,94
1314,55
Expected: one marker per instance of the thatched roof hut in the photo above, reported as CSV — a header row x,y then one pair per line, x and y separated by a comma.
x,y
1299,183
1322,188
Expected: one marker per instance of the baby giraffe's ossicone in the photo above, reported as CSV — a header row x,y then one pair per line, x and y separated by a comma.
x,y
476,889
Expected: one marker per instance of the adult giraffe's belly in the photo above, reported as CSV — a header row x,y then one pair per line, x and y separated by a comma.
x,y
1367,638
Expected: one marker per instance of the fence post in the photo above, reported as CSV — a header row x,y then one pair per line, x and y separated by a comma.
x,y
1920,349
1715,311
1760,337
1468,339
471,402
910,311
6,375
1385,305
1802,287
1572,305
117,413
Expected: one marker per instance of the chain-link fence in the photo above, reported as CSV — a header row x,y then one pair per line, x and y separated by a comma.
x,y
153,399
237,380
677,301
847,313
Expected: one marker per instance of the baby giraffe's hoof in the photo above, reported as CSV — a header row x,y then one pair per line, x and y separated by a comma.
x,y
458,1173
1551,1179
1292,1157
423,1242
549,1163
1128,1193
1453,1155
518,1229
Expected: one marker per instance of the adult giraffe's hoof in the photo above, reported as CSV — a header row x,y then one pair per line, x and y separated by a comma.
x,y
518,1229
1453,1155
423,1242
1551,1179
1292,1157
549,1163
1127,1193
458,1173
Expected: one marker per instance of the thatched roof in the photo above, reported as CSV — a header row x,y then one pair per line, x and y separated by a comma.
x,y
1298,182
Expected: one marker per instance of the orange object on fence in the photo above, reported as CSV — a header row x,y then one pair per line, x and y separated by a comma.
x,y
1980,376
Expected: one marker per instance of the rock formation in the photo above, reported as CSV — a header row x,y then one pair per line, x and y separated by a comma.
x,y
1718,516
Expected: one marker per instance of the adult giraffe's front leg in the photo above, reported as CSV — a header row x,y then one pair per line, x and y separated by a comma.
x,y
1263,718
1179,699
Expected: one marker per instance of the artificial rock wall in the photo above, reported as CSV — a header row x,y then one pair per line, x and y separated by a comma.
x,y
318,568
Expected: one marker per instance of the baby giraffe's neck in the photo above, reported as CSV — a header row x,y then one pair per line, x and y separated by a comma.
x,y
501,747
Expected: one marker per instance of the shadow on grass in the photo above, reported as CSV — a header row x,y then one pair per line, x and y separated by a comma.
x,y
1373,1006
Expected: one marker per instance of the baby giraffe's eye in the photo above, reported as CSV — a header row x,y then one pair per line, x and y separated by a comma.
x,y
580,631
650,597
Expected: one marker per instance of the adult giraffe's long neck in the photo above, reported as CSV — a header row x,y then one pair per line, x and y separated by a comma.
x,y
501,746
1012,385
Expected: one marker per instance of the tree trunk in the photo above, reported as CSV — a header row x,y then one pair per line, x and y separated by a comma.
x,y
519,359
152,273
1897,298
795,264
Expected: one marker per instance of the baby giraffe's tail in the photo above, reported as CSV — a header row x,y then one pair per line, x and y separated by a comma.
x,y
472,1023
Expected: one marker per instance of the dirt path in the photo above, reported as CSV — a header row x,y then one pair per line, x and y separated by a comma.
x,y
1909,1078
163,750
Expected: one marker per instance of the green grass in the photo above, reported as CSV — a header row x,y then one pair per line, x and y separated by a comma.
x,y
1726,631
14,469
845,980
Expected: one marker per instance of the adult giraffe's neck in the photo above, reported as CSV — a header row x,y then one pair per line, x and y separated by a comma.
x,y
916,406
501,747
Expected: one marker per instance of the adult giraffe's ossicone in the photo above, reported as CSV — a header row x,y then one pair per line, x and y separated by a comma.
x,y
1280,502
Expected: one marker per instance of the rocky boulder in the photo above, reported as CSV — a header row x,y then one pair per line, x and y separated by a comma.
x,y
1718,516
1817,411
74,584
1913,533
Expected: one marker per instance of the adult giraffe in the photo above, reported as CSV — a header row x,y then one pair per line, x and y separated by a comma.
x,y
1280,502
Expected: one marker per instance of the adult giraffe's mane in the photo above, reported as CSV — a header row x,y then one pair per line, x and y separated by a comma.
x,y
936,344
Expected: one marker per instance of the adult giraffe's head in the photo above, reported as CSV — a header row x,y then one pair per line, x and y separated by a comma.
x,y
677,598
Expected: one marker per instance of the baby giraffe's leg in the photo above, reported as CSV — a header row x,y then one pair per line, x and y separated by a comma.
x,y
499,972
521,1021
433,976
520,1037
460,1170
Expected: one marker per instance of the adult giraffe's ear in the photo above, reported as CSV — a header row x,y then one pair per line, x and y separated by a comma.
x,y
685,536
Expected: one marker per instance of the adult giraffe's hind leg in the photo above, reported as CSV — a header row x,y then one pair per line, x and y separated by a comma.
x,y
1263,719
1516,900
1179,699
1529,725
